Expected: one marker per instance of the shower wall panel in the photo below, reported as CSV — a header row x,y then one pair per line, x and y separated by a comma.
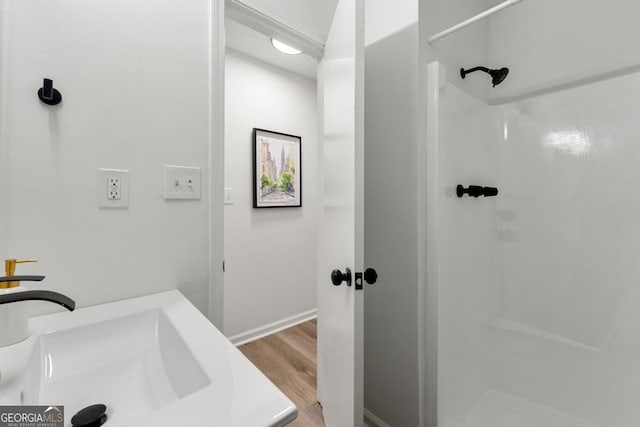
x,y
571,236
538,295
567,333
468,266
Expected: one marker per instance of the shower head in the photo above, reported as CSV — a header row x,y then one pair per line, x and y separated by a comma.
x,y
497,76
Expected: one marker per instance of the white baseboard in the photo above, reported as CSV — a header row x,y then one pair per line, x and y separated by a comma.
x,y
272,328
372,421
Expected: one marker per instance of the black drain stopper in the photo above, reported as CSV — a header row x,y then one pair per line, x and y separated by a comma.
x,y
91,416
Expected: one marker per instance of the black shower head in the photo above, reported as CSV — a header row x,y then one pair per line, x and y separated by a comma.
x,y
497,76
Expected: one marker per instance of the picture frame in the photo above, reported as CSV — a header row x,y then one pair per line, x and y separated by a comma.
x,y
277,169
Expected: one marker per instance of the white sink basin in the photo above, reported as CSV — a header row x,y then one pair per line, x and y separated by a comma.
x,y
153,361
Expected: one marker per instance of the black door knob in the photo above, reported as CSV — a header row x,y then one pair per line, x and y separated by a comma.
x,y
337,277
370,276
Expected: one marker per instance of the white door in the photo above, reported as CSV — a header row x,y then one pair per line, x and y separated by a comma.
x,y
340,308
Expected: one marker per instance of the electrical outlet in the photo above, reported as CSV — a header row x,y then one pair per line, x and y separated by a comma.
x,y
181,183
112,188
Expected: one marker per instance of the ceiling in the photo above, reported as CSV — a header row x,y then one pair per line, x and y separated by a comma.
x,y
310,17
308,20
257,45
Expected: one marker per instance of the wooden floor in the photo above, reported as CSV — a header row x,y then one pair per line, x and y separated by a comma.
x,y
288,359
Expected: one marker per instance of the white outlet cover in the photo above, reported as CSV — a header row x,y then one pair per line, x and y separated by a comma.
x,y
103,179
182,182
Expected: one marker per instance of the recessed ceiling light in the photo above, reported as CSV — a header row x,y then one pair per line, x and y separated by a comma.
x,y
284,48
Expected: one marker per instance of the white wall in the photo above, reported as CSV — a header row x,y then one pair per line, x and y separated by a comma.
x,y
3,152
135,81
383,21
465,49
550,43
270,254
391,372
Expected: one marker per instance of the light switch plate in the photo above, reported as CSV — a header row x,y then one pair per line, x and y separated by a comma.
x,y
112,188
182,182
228,196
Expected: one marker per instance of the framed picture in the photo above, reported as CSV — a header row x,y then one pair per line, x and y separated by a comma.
x,y
277,170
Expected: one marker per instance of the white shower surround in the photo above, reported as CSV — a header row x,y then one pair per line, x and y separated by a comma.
x,y
536,306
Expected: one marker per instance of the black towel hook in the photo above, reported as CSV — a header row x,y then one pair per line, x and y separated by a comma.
x,y
48,94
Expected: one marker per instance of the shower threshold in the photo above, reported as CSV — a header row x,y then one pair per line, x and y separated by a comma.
x,y
498,409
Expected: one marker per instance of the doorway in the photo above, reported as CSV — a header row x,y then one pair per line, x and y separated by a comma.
x,y
268,250
271,254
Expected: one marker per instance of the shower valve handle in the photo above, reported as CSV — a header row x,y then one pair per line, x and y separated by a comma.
x,y
476,191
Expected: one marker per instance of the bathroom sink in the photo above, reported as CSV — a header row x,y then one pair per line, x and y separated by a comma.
x,y
153,361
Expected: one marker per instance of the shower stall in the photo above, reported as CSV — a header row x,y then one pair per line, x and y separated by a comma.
x,y
534,295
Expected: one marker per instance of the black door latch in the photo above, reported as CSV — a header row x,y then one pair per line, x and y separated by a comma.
x,y
370,276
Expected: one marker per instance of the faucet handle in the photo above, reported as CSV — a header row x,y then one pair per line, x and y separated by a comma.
x,y
10,265
10,269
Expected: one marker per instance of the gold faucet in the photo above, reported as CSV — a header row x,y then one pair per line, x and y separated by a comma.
x,y
10,270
